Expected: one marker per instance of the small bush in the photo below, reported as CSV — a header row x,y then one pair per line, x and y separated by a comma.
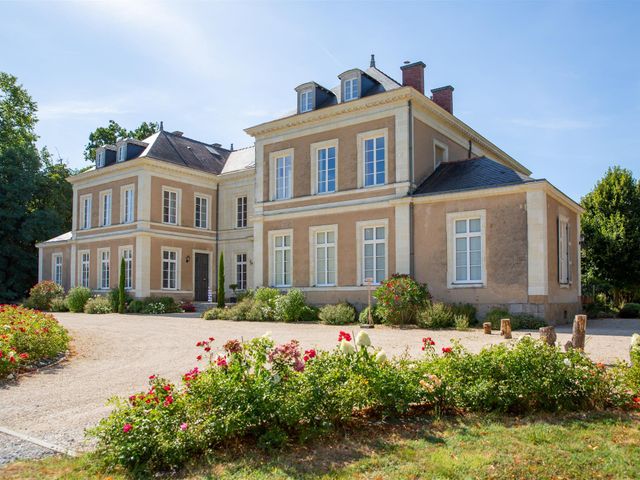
x,y
519,321
461,322
363,318
495,315
114,298
340,314
290,307
309,314
630,310
98,305
41,295
77,298
152,305
59,304
187,307
436,315
136,306
400,298
465,309
267,295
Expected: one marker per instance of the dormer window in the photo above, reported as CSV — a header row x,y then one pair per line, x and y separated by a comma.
x,y
306,100
351,89
122,152
100,156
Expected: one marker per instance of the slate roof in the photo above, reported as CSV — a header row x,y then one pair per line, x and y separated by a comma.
x,y
240,159
471,174
60,238
385,82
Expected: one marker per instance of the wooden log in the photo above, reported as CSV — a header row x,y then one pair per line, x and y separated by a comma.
x,y
548,335
579,332
568,346
486,327
505,328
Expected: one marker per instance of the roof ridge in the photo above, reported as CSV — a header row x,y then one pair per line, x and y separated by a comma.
x,y
195,141
386,75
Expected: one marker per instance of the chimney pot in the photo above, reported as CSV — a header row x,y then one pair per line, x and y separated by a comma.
x,y
413,75
443,96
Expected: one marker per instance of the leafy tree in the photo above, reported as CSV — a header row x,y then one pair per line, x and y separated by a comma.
x,y
113,132
121,293
611,229
17,113
220,295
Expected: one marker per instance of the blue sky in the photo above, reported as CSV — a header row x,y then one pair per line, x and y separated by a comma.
x,y
554,84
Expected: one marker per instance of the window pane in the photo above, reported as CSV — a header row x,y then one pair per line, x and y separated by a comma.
x,y
461,226
476,273
475,259
380,233
461,244
474,243
461,274
474,225
368,233
330,237
380,249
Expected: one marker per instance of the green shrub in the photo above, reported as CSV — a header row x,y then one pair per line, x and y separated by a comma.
x,y
98,305
290,307
630,310
495,315
465,309
461,322
42,293
149,305
136,306
363,318
400,298
59,304
214,313
519,321
436,315
77,298
309,313
340,314
28,337
267,295
114,299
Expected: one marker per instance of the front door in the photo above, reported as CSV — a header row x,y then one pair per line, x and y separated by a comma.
x,y
201,277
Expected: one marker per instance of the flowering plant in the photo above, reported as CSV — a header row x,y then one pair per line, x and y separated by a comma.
x,y
400,298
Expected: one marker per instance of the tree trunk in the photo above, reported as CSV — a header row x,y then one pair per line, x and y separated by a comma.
x,y
548,335
486,326
505,328
579,332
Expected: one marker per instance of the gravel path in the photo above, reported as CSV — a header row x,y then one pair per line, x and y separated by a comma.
x,y
114,355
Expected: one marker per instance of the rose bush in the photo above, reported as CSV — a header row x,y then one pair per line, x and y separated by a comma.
x,y
400,298
42,294
27,337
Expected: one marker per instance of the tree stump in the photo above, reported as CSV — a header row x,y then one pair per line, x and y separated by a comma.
x,y
579,332
548,335
505,328
568,346
486,327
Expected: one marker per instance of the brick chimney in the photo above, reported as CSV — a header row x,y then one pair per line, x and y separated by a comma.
x,y
443,96
413,76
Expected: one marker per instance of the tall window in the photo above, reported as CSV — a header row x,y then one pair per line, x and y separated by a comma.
x,y
564,271
468,250
351,90
122,153
84,269
283,177
282,260
100,158
202,212
170,207
374,264
105,269
241,212
169,269
374,161
57,268
306,101
105,217
325,258
327,170
86,212
241,271
127,205
127,254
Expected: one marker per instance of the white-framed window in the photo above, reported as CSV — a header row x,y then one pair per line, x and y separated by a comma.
x,y
466,248
104,268
169,269
564,259
127,254
241,271
85,268
170,206
306,100
351,89
105,208
201,211
372,157
100,157
440,153
325,256
122,152
241,212
128,203
283,177
280,242
56,267
374,250
326,168
85,214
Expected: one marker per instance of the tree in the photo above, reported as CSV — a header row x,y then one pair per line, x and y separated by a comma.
x,y
17,113
113,132
121,292
220,295
611,230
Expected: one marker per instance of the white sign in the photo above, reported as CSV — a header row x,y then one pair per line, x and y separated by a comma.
x,y
209,296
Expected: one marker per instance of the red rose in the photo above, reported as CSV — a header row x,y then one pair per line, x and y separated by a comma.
x,y
127,427
446,350
199,357
167,388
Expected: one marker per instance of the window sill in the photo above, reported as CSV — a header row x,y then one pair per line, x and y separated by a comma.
x,y
467,285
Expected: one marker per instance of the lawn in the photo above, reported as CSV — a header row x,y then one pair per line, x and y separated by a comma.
x,y
576,446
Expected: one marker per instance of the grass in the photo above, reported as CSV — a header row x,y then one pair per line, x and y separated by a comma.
x,y
586,446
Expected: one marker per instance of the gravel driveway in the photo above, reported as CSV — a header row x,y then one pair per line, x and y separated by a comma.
x,y
114,355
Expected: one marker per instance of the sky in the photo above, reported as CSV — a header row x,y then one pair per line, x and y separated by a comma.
x,y
554,84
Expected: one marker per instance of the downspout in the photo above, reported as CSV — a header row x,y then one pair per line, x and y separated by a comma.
x,y
216,260
411,179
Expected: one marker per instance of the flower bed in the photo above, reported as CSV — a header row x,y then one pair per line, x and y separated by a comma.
x,y
28,337
270,393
